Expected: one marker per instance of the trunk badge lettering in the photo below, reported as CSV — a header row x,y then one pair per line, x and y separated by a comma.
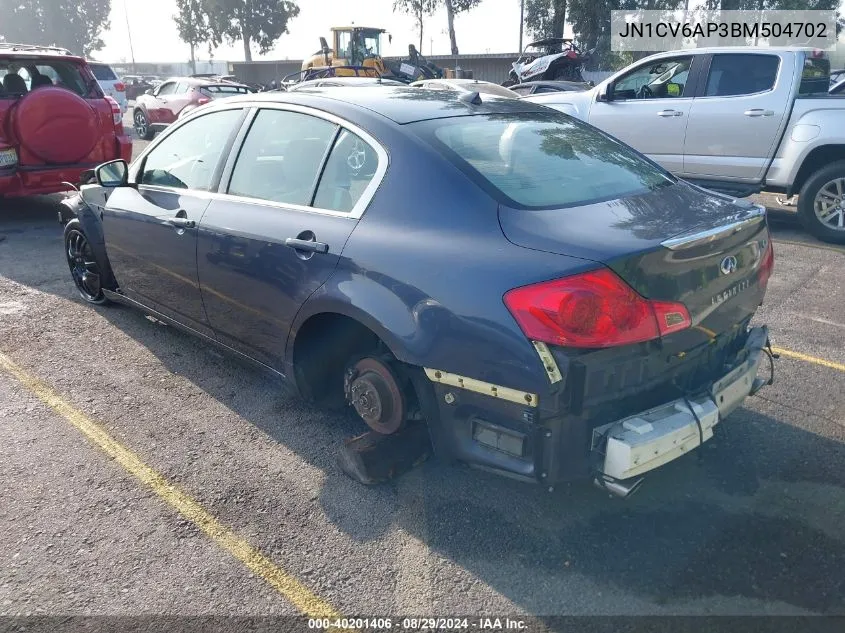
x,y
728,265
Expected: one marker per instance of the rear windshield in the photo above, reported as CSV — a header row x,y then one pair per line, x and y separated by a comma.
x,y
103,72
218,92
20,76
815,77
544,160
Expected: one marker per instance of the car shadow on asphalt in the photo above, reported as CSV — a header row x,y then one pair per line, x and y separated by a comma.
x,y
738,522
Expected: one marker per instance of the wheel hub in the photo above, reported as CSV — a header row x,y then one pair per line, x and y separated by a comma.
x,y
374,393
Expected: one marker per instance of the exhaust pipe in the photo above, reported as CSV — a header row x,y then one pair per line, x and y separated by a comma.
x,y
621,489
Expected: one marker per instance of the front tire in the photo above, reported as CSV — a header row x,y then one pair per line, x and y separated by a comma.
x,y
821,203
142,126
84,268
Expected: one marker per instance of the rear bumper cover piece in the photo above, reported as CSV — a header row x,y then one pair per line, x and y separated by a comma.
x,y
647,440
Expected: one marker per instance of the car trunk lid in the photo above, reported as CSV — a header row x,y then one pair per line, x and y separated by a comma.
x,y
677,243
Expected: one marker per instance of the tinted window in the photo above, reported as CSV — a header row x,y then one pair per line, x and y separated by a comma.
x,y
187,158
816,76
281,157
218,92
44,72
350,168
523,90
103,72
545,160
664,79
182,88
741,74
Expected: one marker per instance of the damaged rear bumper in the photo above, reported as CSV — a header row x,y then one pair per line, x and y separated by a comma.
x,y
504,430
628,448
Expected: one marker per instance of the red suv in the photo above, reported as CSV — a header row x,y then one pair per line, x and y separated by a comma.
x,y
158,108
55,122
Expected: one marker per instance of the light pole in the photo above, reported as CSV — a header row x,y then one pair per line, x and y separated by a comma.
x,y
129,31
521,22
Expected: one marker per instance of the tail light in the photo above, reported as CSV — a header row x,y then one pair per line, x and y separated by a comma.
x,y
117,113
593,309
203,100
767,265
120,86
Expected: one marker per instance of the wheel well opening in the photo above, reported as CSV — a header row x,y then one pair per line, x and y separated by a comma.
x,y
324,345
816,159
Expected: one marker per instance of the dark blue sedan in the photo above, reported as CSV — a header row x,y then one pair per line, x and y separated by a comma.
x,y
549,302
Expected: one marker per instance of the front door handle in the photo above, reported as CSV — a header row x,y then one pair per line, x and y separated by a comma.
x,y
758,112
182,223
307,245
668,113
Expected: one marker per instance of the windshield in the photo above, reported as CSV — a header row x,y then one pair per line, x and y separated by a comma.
x,y
540,160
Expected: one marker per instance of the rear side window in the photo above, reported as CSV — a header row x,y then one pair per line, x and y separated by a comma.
x,y
218,92
103,72
732,75
540,160
281,157
349,170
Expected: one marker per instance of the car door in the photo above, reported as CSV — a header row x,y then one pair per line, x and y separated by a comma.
x,y
735,123
648,108
157,108
150,227
277,234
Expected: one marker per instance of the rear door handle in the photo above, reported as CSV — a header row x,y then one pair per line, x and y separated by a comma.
x,y
759,112
182,223
307,245
668,113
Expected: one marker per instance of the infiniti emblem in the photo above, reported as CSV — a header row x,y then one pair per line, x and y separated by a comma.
x,y
728,265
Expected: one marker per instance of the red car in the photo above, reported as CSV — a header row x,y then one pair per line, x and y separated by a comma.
x,y
55,121
158,108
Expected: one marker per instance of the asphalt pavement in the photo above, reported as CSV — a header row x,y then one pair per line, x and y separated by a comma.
x,y
144,473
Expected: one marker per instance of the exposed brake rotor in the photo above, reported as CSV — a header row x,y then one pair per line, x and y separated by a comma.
x,y
373,390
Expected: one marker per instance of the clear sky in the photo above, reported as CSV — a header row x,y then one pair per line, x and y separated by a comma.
x,y
492,27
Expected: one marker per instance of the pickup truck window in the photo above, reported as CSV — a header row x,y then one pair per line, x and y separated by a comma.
x,y
664,79
816,76
741,74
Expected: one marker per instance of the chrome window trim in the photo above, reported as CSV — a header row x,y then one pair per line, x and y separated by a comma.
x,y
252,108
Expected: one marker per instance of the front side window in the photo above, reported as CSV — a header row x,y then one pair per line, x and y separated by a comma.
x,y
349,170
281,157
540,160
182,88
664,79
741,74
188,157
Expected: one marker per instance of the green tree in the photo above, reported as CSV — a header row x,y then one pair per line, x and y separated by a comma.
x,y
72,24
545,18
454,7
419,9
194,26
261,22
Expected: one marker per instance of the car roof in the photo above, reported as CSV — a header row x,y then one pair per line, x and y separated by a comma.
x,y
346,81
400,104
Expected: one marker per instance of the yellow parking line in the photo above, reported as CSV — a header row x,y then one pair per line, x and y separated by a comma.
x,y
290,588
808,359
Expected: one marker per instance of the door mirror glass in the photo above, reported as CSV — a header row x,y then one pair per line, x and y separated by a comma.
x,y
113,174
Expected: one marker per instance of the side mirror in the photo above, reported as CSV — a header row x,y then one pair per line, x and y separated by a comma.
x,y
606,94
113,174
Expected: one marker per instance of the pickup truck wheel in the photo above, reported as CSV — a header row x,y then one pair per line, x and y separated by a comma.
x,y
142,126
821,204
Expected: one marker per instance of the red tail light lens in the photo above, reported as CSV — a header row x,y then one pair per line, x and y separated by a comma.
x,y
767,265
203,100
117,113
594,309
120,87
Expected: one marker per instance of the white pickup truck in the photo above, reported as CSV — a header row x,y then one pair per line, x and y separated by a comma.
x,y
736,120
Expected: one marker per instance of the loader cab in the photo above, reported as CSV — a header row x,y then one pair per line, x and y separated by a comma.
x,y
355,45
